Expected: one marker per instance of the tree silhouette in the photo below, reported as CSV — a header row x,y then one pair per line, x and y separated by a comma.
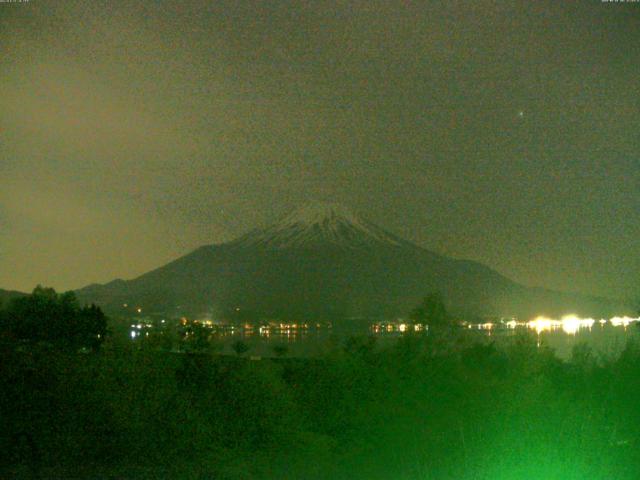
x,y
57,319
431,311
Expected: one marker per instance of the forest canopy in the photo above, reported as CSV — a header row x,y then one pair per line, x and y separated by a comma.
x,y
53,318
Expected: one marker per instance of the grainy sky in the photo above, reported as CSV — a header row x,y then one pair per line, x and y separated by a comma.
x,y
506,132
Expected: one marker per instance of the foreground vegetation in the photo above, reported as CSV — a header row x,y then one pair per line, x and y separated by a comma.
x,y
77,403
429,407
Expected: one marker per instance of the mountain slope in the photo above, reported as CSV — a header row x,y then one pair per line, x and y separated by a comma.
x,y
6,295
324,262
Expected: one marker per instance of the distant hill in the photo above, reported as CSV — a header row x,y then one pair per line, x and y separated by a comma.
x,y
324,262
6,295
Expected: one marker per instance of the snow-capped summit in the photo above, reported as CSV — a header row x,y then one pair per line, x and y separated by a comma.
x,y
317,224
317,213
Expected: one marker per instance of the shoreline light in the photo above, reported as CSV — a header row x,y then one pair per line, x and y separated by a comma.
x,y
570,324
622,321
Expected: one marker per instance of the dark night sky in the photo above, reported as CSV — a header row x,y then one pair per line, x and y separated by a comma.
x,y
504,132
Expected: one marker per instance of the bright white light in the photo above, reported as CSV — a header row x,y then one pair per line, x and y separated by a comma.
x,y
623,321
543,324
570,324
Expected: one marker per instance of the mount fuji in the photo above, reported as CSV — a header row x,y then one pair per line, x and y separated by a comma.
x,y
319,225
323,262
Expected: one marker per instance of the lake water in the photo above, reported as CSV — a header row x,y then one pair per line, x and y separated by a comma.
x,y
605,337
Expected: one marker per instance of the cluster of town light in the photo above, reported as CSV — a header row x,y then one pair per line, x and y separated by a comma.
x,y
279,329
390,327
570,324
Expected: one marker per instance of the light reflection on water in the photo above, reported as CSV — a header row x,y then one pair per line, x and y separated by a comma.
x,y
569,324
607,337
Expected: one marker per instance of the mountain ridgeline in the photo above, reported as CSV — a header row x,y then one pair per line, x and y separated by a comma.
x,y
320,263
7,295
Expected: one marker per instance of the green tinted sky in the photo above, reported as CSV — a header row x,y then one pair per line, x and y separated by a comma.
x,y
505,132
